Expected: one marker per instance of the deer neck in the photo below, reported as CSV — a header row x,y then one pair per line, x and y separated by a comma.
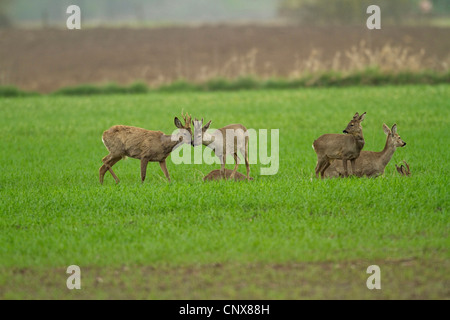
x,y
359,139
387,153
208,142
171,142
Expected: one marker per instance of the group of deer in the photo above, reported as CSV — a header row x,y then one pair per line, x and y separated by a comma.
x,y
348,146
155,146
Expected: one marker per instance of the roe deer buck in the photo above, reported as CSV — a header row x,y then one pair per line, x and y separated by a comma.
x,y
154,146
217,175
223,146
329,147
370,163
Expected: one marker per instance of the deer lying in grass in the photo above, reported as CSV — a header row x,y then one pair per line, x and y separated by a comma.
x,y
222,145
330,147
146,145
217,175
370,163
404,171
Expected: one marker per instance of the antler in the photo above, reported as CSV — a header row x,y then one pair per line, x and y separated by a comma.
x,y
407,170
187,120
403,170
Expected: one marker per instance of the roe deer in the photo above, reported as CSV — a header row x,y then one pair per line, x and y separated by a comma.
x,y
329,147
154,146
223,146
217,175
404,171
370,163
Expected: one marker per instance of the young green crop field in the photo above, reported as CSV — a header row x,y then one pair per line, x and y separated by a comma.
x,y
282,236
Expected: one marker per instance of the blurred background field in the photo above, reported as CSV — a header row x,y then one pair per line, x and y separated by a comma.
x,y
159,42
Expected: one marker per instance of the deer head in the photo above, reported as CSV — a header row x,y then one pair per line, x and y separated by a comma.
x,y
354,126
200,134
185,130
393,137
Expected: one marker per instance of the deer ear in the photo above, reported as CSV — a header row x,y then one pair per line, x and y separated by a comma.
x,y
206,126
356,116
394,129
361,118
178,123
386,129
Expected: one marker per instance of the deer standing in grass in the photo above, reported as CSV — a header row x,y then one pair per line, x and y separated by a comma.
x,y
148,146
222,145
330,147
370,163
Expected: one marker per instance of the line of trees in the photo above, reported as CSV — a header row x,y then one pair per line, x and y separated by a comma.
x,y
49,12
313,12
5,21
325,12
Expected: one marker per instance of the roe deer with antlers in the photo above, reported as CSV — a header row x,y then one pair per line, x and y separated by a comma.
x,y
370,163
148,146
330,147
222,145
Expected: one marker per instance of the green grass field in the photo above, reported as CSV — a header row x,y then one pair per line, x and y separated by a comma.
x,y
286,236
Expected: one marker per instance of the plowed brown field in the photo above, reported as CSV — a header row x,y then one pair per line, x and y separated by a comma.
x,y
45,60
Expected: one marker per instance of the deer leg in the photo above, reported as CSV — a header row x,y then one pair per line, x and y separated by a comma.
x,y
164,169
353,162
107,166
103,168
245,153
236,159
317,169
144,163
247,166
320,163
222,167
102,172
344,163
324,167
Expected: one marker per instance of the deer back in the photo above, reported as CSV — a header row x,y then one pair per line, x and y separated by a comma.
x,y
338,146
138,143
238,133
